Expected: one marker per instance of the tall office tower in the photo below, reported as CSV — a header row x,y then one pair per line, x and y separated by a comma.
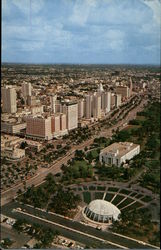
x,y
96,105
130,88
88,106
106,101
9,97
117,100
72,115
38,127
53,103
123,90
80,108
26,90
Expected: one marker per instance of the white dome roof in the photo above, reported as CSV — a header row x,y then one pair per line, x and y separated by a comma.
x,y
103,207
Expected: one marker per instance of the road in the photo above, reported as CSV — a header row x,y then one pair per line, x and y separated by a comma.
x,y
76,229
8,195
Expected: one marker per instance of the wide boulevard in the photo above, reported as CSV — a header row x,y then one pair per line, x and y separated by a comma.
x,y
70,228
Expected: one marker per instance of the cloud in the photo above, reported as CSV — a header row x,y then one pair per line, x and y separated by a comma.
x,y
155,6
80,30
36,5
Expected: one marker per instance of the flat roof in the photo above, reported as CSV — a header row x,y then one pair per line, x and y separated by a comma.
x,y
121,148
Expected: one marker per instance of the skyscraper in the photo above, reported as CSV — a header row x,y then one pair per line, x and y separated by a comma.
x,y
72,115
80,108
106,101
96,105
117,100
53,103
9,97
88,106
26,90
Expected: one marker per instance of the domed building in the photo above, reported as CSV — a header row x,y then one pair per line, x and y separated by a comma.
x,y
101,211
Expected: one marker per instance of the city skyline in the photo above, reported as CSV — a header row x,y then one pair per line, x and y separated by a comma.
x,y
56,32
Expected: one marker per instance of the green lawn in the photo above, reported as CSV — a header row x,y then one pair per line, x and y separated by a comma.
x,y
124,191
133,206
138,196
109,197
87,197
125,203
99,195
140,118
92,188
133,194
147,198
101,188
113,189
117,199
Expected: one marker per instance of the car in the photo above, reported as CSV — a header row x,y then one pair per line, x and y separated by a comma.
x,y
19,209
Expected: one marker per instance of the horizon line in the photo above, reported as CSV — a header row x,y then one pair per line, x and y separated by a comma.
x,y
63,63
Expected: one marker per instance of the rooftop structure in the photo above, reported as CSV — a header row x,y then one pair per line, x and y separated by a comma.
x,y
101,211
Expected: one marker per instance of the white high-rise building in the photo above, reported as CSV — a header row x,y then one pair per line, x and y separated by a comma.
x,y
80,108
96,105
117,100
53,103
26,89
9,97
72,115
106,101
88,106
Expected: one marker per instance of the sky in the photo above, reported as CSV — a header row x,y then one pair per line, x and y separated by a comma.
x,y
81,31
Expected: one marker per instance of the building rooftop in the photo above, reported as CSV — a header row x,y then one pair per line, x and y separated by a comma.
x,y
119,148
105,208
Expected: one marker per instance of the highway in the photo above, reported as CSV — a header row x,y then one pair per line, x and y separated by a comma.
x,y
72,228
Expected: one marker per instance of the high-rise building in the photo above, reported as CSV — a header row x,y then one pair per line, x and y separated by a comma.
x,y
112,100
88,106
123,90
80,108
9,97
72,115
38,127
26,89
53,103
117,100
63,122
96,105
31,100
106,101
131,87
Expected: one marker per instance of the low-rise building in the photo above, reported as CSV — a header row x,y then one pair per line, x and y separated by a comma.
x,y
118,153
34,145
12,126
12,153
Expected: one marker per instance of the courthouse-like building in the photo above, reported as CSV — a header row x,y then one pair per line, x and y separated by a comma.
x,y
118,153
